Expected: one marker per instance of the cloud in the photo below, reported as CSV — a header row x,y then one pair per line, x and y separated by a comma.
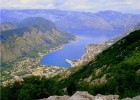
x,y
76,5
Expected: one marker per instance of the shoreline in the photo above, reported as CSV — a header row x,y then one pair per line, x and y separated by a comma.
x,y
91,51
41,55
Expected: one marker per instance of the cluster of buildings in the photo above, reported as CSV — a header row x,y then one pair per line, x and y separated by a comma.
x,y
92,50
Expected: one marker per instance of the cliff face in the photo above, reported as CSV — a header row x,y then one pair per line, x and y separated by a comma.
x,y
32,35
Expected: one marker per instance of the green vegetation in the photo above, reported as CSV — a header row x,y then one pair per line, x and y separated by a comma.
x,y
122,60
32,88
119,63
32,35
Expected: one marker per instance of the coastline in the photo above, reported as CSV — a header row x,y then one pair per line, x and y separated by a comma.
x,y
41,55
92,50
32,68
51,50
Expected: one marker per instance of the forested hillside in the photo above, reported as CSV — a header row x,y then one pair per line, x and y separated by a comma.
x,y
114,71
29,37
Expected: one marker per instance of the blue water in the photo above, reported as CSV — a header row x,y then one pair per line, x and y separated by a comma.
x,y
75,49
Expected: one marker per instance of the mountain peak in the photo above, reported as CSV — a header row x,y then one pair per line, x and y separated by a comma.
x,y
37,22
110,12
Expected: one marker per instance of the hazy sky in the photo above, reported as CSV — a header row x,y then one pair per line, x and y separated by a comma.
x,y
127,6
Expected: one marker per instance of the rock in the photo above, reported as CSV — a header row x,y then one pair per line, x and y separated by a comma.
x,y
100,80
86,96
138,71
88,79
103,79
127,99
136,98
65,90
81,96
108,97
98,71
57,98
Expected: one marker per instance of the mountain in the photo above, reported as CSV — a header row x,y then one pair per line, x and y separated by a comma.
x,y
67,20
39,23
7,26
31,36
83,21
118,20
115,71
137,27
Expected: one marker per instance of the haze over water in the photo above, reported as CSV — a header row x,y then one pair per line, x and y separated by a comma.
x,y
76,49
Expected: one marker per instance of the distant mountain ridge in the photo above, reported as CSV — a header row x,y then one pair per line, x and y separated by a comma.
x,y
137,27
32,35
7,26
66,20
38,22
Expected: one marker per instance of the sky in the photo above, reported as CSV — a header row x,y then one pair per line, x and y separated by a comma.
x,y
125,6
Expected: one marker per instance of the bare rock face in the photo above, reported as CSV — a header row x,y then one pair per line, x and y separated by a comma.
x,y
138,71
100,80
134,98
108,97
127,99
57,98
81,96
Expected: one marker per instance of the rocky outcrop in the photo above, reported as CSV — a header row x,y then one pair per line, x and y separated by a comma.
x,y
83,96
138,71
135,98
57,98
108,97
79,95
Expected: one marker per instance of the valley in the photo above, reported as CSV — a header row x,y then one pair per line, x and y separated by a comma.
x,y
118,64
23,47
76,49
46,52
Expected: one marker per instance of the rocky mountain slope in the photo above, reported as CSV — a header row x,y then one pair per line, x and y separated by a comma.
x,y
104,20
114,71
32,35
118,20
